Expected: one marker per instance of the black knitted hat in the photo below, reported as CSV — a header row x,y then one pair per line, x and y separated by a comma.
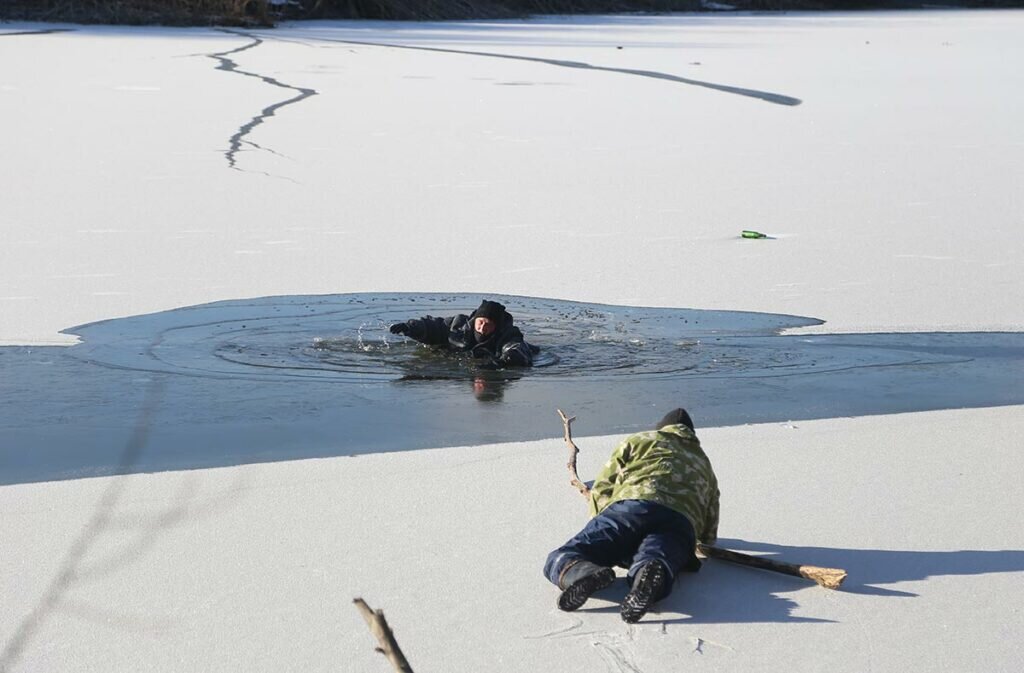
x,y
675,417
490,309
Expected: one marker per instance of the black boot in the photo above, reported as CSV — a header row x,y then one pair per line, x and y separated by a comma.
x,y
580,580
648,587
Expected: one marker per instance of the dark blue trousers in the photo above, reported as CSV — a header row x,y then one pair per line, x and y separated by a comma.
x,y
628,534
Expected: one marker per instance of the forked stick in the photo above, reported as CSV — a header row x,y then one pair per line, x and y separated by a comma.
x,y
830,578
382,632
573,450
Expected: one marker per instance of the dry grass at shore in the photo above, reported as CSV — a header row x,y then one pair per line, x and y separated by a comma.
x,y
133,12
267,12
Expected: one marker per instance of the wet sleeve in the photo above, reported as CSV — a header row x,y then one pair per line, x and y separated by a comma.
x,y
514,351
516,354
429,330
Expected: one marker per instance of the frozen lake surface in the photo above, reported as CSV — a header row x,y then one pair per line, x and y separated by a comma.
x,y
607,159
157,180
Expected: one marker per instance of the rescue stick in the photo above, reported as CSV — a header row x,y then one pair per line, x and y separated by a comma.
x,y
830,578
382,632
573,451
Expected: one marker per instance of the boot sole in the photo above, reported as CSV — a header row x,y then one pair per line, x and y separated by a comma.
x,y
641,597
577,594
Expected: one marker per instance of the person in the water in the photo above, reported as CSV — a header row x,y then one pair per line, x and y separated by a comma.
x,y
488,333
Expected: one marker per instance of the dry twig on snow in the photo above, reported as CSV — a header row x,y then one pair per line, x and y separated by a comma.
x,y
573,450
382,632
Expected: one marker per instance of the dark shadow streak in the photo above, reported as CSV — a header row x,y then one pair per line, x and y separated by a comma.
x,y
38,32
100,521
145,532
766,96
228,65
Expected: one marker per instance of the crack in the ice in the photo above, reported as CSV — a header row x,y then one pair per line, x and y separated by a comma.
x,y
267,149
239,138
48,31
767,96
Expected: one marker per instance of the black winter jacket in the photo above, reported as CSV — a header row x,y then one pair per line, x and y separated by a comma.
x,y
505,346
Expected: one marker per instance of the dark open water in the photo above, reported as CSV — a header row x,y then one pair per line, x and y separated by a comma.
x,y
281,378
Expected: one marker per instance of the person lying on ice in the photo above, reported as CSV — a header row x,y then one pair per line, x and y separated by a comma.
x,y
655,497
489,332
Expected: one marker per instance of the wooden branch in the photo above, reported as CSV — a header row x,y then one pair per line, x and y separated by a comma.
x,y
573,451
830,578
382,632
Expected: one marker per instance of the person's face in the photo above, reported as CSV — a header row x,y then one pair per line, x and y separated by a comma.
x,y
483,326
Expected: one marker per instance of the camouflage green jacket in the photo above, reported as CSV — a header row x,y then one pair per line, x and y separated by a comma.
x,y
665,466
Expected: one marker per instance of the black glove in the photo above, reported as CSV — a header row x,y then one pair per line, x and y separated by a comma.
x,y
514,355
399,328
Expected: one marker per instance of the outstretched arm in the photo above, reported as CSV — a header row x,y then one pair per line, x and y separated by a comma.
x,y
427,330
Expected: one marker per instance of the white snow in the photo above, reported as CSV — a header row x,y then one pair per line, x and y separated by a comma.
x,y
604,159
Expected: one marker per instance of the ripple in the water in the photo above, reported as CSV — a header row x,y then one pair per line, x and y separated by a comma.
x,y
346,338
